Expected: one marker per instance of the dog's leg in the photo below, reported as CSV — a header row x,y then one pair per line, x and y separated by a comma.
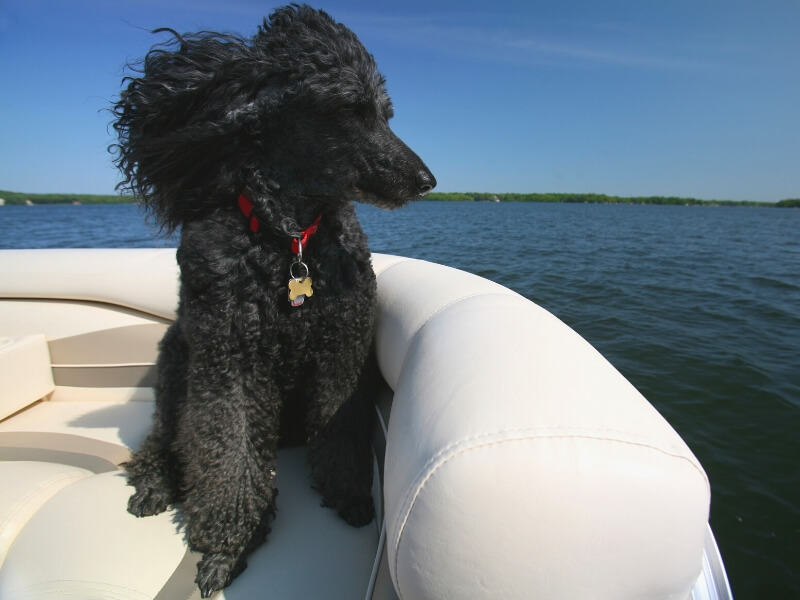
x,y
228,438
151,469
340,452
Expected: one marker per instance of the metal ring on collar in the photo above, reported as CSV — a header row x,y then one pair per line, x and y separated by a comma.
x,y
303,266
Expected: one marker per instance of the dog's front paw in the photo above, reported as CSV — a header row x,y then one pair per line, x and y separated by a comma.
x,y
147,502
357,511
216,571
153,494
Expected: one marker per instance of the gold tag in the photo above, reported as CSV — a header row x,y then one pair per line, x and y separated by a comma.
x,y
299,289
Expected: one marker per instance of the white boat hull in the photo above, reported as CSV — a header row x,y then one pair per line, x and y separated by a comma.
x,y
518,462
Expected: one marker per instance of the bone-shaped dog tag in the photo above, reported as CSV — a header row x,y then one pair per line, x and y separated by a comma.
x,y
299,289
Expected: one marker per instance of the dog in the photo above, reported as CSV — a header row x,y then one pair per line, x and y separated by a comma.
x,y
255,149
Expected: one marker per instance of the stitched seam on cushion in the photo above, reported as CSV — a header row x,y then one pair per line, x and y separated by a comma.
x,y
455,301
101,365
38,491
404,259
71,588
463,446
502,291
440,310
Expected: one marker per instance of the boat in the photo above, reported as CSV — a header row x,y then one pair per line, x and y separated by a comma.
x,y
512,459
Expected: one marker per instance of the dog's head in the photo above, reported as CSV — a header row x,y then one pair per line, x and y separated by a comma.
x,y
298,113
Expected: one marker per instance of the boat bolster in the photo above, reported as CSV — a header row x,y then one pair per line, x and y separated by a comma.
x,y
518,458
24,372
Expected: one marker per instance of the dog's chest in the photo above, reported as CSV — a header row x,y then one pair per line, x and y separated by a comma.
x,y
335,312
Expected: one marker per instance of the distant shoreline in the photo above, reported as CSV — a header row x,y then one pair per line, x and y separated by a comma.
x,y
21,198
17,198
600,199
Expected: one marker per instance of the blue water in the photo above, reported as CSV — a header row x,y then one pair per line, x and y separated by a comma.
x,y
698,306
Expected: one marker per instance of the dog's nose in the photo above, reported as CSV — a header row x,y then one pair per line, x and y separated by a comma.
x,y
425,181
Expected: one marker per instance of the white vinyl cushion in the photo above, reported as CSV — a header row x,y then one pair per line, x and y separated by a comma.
x,y
519,461
25,374
146,280
25,488
84,544
123,424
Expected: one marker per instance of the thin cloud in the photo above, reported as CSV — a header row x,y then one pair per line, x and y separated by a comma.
x,y
576,45
582,55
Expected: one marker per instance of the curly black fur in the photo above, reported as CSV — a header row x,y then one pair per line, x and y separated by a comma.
x,y
296,118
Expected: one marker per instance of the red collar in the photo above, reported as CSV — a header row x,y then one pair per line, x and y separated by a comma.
x,y
246,206
305,235
247,210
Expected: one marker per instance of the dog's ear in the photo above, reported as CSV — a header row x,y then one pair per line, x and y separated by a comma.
x,y
181,121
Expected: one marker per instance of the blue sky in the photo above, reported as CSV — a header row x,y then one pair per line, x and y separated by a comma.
x,y
696,98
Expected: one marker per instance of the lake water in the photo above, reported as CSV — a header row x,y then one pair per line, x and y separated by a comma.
x,y
698,306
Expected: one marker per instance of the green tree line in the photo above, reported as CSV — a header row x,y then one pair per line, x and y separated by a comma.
x,y
23,198
596,199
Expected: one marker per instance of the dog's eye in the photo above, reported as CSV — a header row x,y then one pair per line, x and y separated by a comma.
x,y
368,113
364,111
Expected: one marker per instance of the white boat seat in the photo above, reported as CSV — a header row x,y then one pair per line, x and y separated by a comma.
x,y
25,373
26,487
519,463
94,435
82,542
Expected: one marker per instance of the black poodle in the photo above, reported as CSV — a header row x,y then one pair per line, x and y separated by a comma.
x,y
255,149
